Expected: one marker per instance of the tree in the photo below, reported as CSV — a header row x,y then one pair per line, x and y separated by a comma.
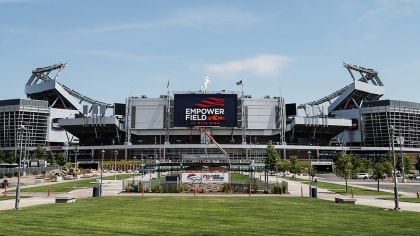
x,y
39,153
408,164
272,157
61,159
417,165
344,167
294,165
381,169
360,165
51,159
10,158
284,165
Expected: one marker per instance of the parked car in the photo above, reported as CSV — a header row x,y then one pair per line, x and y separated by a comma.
x,y
363,176
414,177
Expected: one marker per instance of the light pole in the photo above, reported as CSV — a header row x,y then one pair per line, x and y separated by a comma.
x,y
400,141
75,166
134,168
102,169
396,200
309,173
115,164
21,129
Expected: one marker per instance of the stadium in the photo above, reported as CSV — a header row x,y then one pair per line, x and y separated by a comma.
x,y
211,127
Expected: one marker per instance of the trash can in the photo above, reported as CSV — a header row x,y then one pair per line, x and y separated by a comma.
x,y
314,192
97,191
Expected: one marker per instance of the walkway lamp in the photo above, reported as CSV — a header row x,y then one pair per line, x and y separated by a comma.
x,y
75,166
400,141
102,169
21,130
134,167
309,173
115,164
396,200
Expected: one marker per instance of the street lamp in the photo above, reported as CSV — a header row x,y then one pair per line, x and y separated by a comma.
x,y
115,164
396,200
21,129
134,168
75,166
309,173
400,141
102,169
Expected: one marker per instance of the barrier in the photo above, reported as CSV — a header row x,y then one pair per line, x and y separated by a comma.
x,y
345,200
65,199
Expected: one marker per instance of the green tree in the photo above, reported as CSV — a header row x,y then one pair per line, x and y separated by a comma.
x,y
61,159
408,164
360,165
272,157
381,168
344,167
51,159
2,156
10,158
284,165
417,165
294,165
39,153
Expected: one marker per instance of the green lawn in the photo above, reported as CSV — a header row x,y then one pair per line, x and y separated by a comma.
x,y
341,188
258,215
67,186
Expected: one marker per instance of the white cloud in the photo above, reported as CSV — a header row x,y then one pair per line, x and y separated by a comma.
x,y
260,66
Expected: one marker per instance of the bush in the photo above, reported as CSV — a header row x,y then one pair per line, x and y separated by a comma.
x,y
9,175
35,172
227,188
278,189
1,175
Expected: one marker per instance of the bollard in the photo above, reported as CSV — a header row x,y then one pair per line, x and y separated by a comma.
x,y
142,190
301,191
352,192
418,194
5,191
49,190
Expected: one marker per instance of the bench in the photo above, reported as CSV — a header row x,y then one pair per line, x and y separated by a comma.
x,y
65,199
345,200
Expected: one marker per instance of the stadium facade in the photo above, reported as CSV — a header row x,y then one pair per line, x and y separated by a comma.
x,y
209,125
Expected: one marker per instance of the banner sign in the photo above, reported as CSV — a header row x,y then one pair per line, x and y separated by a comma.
x,y
205,177
205,110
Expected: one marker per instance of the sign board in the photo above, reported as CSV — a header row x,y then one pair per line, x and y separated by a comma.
x,y
205,110
205,177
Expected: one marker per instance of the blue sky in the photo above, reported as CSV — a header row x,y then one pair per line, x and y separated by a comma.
x,y
294,49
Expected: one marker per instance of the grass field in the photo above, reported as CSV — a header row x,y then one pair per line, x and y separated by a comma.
x,y
219,215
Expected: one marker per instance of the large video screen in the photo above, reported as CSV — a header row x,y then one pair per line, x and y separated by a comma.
x,y
205,110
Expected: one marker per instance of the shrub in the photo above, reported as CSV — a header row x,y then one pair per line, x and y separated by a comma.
x,y
1,175
34,172
227,188
277,189
9,175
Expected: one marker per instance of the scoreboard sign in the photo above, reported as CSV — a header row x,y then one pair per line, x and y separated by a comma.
x,y
205,110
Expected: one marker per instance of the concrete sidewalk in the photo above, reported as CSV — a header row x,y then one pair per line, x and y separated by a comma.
x,y
295,188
